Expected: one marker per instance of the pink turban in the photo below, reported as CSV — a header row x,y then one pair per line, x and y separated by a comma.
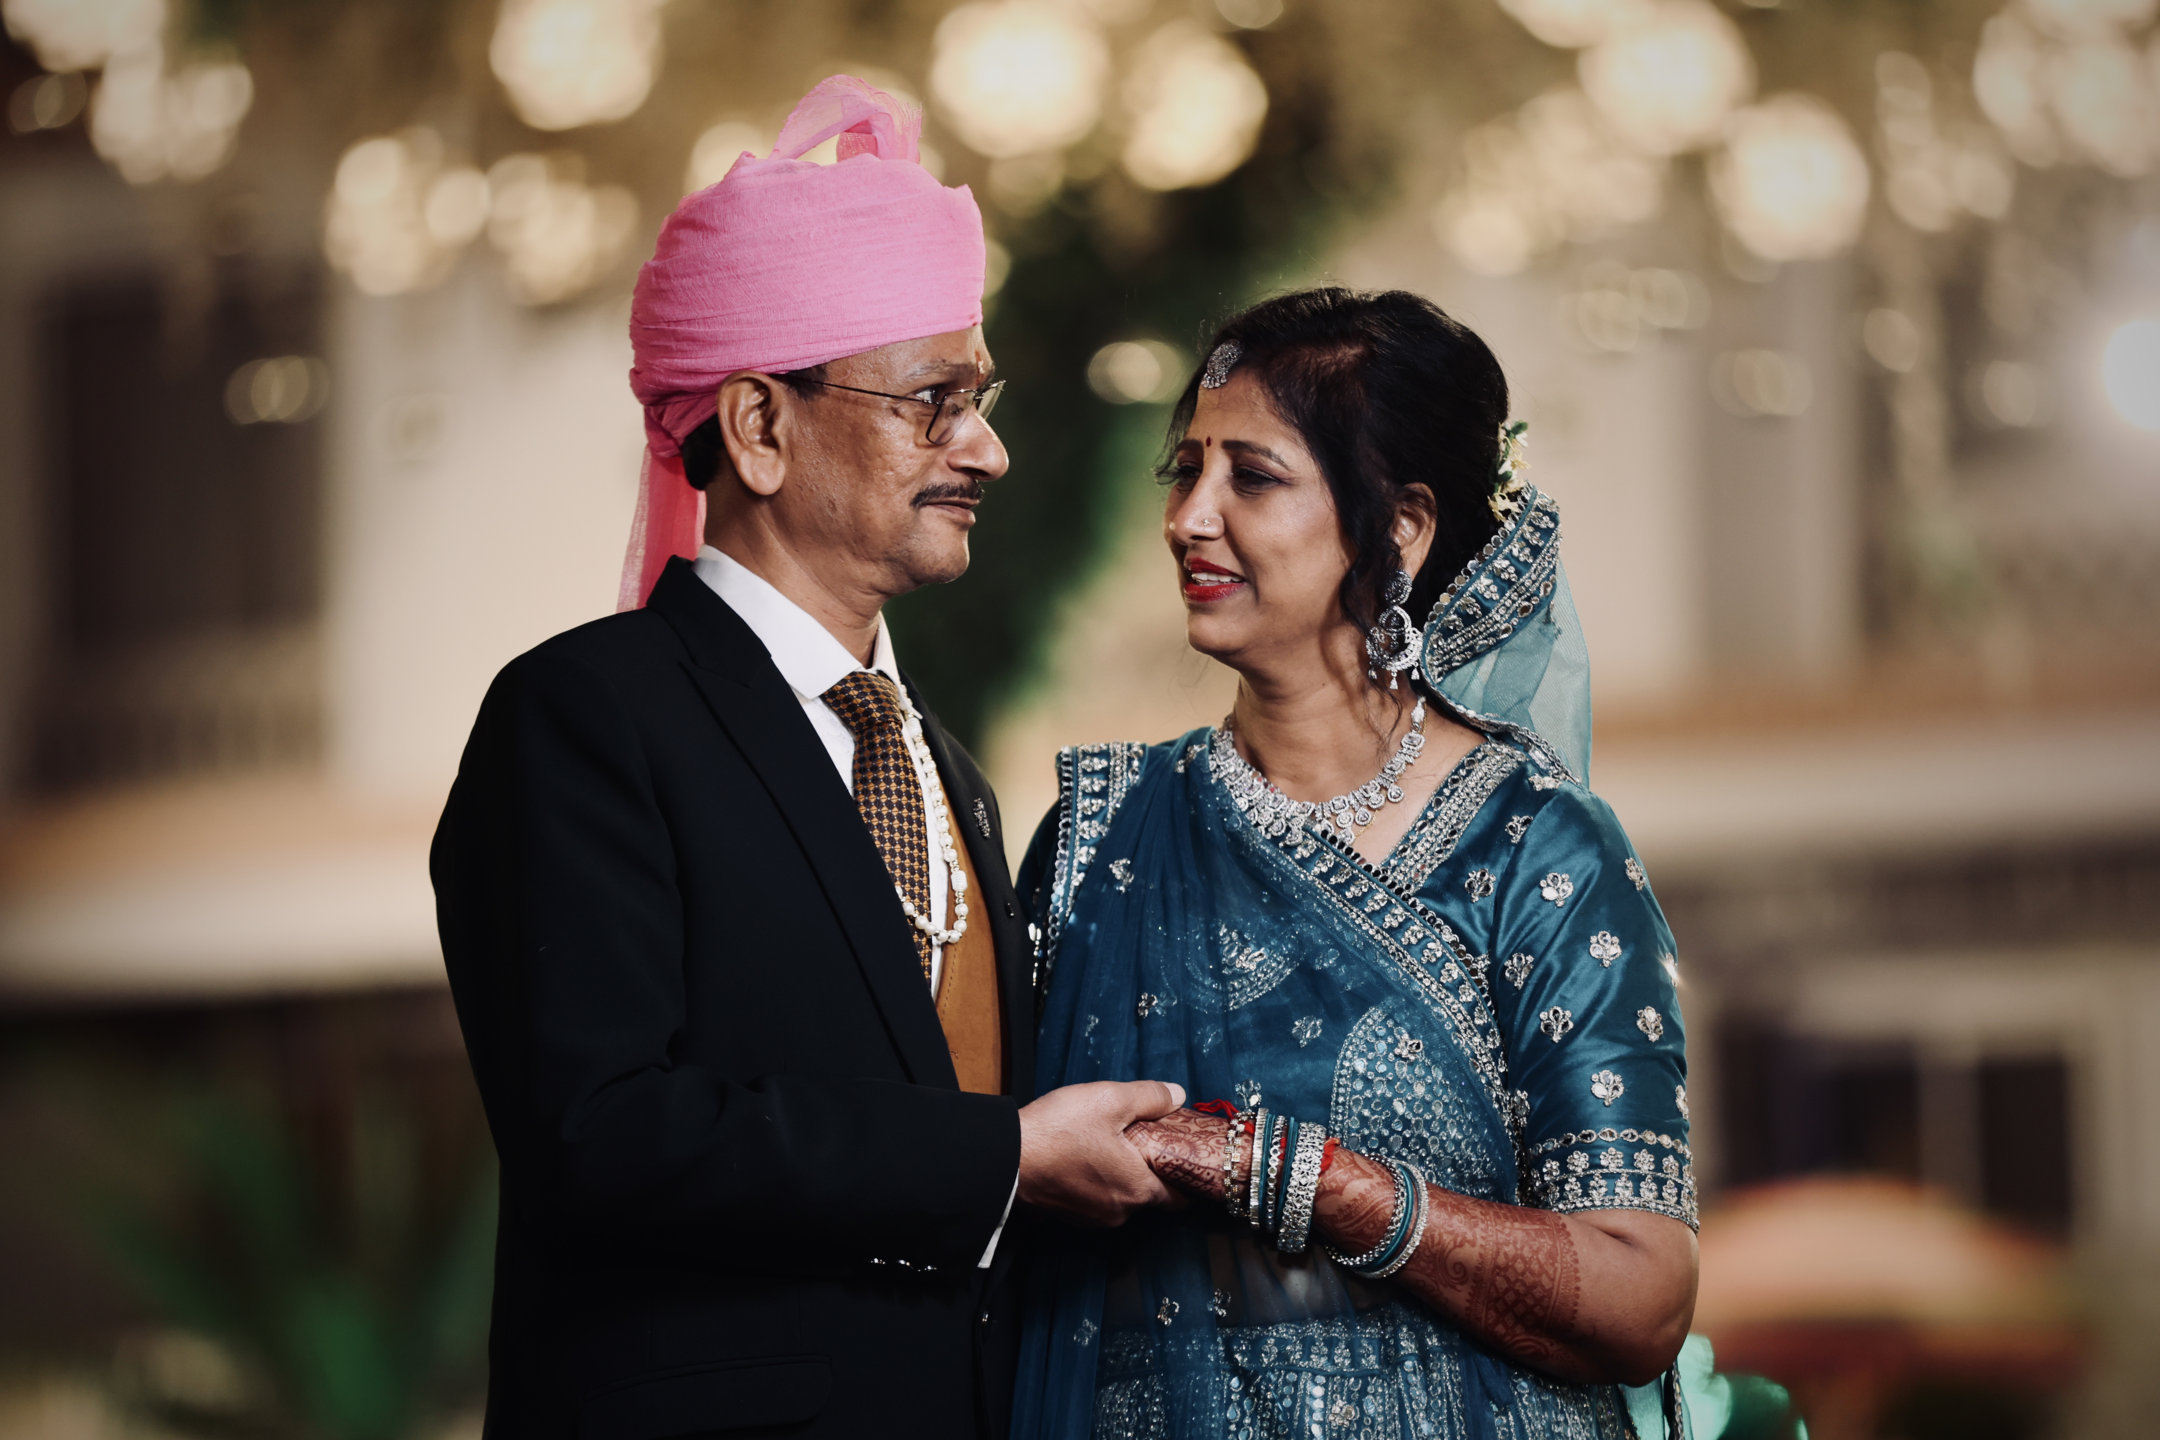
x,y
783,265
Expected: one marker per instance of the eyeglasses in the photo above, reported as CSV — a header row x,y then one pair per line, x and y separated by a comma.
x,y
946,412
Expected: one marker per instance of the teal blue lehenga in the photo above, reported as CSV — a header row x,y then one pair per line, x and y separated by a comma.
x,y
1495,1003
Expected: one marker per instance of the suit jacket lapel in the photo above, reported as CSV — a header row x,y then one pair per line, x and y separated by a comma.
x,y
975,819
762,716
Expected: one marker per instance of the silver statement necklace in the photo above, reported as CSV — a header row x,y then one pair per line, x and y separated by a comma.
x,y
1276,814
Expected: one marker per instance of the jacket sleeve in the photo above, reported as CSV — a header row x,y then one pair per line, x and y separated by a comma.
x,y
561,920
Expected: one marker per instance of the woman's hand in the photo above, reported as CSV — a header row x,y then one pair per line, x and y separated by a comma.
x,y
1185,1149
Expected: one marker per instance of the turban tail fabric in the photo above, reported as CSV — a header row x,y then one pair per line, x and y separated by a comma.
x,y
783,265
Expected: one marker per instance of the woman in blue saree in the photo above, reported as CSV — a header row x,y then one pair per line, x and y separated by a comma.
x,y
1448,1189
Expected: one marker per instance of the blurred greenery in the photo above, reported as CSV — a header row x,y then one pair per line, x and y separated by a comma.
x,y
352,1303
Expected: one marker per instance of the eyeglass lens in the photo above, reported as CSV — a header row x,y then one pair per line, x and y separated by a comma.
x,y
946,422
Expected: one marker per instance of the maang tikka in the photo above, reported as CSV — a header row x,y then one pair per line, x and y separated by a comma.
x,y
1220,362
1392,643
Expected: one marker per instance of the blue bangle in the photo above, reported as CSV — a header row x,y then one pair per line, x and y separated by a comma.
x,y
1383,1254
1274,1174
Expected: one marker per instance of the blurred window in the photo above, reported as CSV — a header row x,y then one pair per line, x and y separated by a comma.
x,y
1800,1105
183,466
2025,1160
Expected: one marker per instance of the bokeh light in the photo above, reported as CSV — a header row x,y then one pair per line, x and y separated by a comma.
x,y
1572,24
2103,100
1790,180
1614,309
2072,87
1933,177
1891,339
48,102
154,124
1762,384
1135,372
2130,372
2011,393
83,34
568,63
556,234
1020,76
278,390
1250,14
1194,109
1548,174
717,150
1668,75
376,229
2078,19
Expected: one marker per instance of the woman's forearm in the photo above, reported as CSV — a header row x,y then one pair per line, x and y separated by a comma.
x,y
1557,1293
1599,1297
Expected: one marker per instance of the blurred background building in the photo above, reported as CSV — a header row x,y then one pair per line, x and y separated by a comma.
x,y
1837,323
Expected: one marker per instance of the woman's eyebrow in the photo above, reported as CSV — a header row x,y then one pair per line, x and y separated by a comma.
x,y
1247,447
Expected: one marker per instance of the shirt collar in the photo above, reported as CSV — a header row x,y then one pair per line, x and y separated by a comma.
x,y
804,651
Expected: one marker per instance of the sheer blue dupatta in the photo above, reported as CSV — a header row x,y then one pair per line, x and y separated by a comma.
x,y
1187,946
1504,647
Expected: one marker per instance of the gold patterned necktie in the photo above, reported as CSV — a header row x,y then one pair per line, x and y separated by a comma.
x,y
887,788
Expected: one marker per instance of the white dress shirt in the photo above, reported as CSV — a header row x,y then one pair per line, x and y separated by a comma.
x,y
812,662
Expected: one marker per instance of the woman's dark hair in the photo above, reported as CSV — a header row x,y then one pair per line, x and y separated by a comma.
x,y
701,450
1388,392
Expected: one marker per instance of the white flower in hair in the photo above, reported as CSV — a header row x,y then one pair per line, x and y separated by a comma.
x,y
1506,501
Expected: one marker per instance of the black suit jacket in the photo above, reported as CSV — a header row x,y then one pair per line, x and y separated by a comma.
x,y
741,1189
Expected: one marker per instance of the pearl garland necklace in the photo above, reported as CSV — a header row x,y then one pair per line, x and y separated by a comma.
x,y
1276,814
933,793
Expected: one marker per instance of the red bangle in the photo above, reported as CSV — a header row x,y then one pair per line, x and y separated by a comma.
x,y
1327,1153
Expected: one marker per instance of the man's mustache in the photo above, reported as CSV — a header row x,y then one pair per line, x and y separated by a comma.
x,y
970,491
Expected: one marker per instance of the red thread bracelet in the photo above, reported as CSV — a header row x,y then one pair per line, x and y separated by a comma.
x,y
1327,1153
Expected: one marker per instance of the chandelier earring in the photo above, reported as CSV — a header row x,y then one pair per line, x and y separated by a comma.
x,y
1392,642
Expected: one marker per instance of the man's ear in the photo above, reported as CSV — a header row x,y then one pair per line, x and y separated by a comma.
x,y
754,412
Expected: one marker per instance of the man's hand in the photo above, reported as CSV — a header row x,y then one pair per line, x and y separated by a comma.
x,y
1185,1149
1075,1161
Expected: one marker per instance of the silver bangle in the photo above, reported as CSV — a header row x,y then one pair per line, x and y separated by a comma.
x,y
1395,1221
1233,1127
1255,1172
1417,1223
1304,1185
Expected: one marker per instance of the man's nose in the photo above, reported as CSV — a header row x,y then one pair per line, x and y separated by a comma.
x,y
977,449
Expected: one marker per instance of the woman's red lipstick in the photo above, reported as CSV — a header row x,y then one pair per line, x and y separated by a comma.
x,y
1205,582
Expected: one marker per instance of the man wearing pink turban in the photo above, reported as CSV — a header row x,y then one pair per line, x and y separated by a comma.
x,y
725,911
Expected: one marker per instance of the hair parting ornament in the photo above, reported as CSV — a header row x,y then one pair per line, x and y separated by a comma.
x,y
1220,362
